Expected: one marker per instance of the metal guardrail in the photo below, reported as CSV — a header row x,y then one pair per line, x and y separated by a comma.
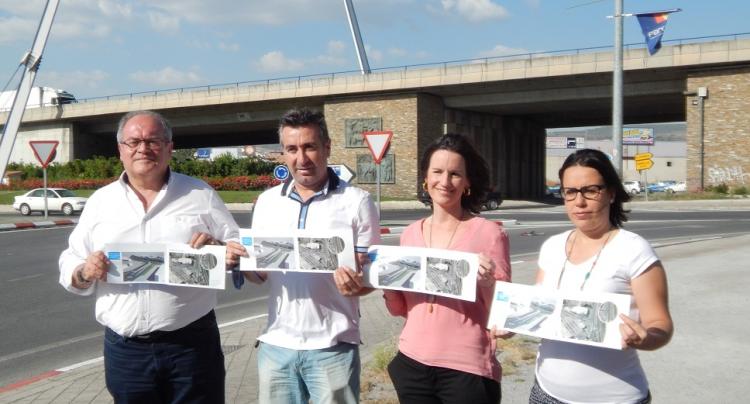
x,y
295,80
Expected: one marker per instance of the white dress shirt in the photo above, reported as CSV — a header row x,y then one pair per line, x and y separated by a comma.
x,y
114,214
306,310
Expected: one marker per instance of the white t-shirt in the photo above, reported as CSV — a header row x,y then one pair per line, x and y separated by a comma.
x,y
584,374
306,310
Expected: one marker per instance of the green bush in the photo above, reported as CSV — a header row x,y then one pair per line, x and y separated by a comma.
x,y
741,190
719,189
100,167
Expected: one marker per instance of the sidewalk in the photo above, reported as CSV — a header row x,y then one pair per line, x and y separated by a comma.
x,y
704,362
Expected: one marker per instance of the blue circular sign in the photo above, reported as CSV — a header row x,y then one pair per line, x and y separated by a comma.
x,y
281,172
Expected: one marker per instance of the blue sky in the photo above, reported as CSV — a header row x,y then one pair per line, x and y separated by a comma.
x,y
107,47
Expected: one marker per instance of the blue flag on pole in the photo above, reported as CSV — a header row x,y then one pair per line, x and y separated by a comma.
x,y
653,25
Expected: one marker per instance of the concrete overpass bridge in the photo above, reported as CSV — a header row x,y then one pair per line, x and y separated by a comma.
x,y
505,104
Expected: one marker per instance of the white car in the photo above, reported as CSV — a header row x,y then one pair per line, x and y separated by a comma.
x,y
58,199
677,187
632,187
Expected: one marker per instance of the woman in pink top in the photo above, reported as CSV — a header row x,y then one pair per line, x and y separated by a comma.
x,y
446,354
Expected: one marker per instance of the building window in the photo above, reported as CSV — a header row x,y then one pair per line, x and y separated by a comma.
x,y
669,164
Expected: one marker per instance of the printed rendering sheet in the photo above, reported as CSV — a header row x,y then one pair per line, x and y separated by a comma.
x,y
589,318
424,270
167,264
298,251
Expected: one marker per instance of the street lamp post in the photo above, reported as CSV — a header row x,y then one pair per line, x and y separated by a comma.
x,y
617,92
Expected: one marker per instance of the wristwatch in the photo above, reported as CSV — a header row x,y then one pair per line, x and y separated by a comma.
x,y
80,279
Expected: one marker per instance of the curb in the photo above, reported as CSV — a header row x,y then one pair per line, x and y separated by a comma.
x,y
31,225
400,229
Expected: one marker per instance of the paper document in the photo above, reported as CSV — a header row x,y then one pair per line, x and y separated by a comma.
x,y
426,270
589,318
167,264
297,251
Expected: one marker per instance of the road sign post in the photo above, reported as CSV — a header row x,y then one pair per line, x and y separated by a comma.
x,y
643,162
44,151
378,142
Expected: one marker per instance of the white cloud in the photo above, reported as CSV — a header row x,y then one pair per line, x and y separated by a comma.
x,y
397,52
374,55
15,28
115,9
475,10
162,22
336,47
229,47
502,50
168,76
275,61
77,79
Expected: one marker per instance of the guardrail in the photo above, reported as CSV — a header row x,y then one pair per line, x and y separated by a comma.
x,y
292,80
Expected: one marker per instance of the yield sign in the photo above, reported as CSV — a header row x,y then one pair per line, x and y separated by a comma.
x,y
44,150
378,143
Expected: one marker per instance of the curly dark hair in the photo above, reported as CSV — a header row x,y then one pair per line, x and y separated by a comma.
x,y
600,162
477,170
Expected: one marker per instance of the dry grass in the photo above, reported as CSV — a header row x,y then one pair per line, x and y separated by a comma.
x,y
516,352
375,384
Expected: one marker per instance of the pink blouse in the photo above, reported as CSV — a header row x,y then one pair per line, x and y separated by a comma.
x,y
454,334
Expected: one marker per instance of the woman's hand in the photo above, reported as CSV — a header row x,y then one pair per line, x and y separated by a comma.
x,y
495,333
486,272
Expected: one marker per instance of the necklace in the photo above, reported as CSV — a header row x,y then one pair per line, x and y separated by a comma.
x,y
593,264
431,298
450,240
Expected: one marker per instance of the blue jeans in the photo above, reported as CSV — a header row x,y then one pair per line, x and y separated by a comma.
x,y
288,376
182,366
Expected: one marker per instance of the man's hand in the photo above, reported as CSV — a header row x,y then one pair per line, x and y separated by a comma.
x,y
200,239
349,282
95,268
235,250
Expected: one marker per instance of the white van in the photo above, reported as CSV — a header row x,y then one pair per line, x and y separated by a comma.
x,y
38,97
632,187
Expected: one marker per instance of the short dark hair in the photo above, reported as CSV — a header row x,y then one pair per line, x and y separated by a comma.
x,y
167,134
600,162
296,117
477,170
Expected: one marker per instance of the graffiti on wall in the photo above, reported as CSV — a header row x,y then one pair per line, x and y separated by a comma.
x,y
727,175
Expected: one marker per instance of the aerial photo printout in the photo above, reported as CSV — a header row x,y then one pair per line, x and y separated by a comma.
x,y
167,264
425,270
589,318
300,251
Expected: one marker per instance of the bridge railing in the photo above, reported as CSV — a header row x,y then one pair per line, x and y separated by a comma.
x,y
344,78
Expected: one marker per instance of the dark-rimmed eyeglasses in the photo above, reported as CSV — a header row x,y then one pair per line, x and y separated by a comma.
x,y
151,144
590,192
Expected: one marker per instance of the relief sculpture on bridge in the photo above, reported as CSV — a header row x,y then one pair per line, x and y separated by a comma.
x,y
354,127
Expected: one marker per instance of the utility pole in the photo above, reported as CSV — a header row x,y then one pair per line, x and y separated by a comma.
x,y
359,46
617,92
31,60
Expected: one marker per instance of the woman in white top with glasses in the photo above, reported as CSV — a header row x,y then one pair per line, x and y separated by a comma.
x,y
598,255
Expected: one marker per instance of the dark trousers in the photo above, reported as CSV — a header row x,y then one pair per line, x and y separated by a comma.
x,y
181,366
422,384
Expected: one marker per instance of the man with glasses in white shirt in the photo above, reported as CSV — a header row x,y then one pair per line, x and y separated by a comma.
x,y
161,342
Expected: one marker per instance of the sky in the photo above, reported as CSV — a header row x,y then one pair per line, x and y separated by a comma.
x,y
104,47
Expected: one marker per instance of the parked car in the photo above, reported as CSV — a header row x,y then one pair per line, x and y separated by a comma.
x,y
676,187
58,199
632,187
660,186
491,202
553,190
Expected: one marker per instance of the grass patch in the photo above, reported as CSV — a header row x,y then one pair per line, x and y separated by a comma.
x,y
516,353
6,197
375,384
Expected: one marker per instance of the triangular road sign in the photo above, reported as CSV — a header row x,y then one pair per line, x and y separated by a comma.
x,y
378,143
44,150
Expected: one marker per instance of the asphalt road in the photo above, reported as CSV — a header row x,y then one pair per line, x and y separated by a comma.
x,y
45,328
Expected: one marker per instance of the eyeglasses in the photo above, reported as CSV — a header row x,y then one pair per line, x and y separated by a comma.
x,y
151,144
590,192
